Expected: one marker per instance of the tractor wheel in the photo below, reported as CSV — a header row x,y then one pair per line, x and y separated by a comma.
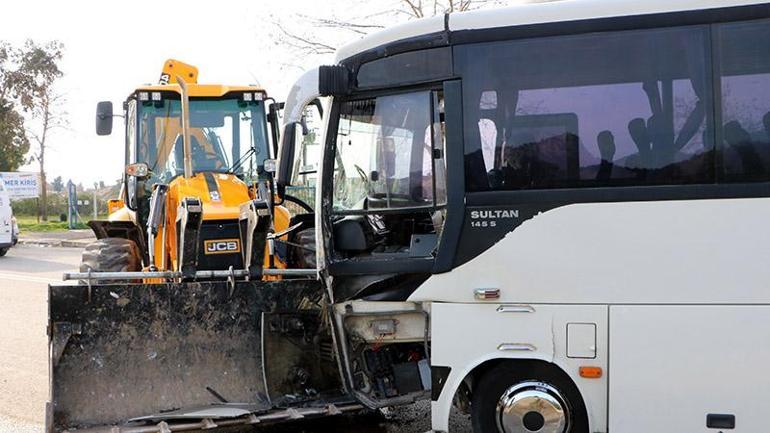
x,y
111,255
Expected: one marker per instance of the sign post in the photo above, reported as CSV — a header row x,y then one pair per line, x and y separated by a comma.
x,y
96,206
72,203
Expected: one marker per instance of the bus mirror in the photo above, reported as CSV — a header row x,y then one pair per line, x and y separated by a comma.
x,y
104,118
334,81
286,159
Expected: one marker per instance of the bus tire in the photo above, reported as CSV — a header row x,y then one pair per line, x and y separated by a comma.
x,y
3,252
111,255
504,398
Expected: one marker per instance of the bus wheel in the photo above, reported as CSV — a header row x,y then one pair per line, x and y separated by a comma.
x,y
3,251
527,397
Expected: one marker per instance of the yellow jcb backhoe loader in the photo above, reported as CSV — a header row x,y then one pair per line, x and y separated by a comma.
x,y
186,316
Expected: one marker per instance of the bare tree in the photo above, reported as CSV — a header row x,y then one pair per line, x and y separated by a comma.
x,y
51,116
37,74
301,34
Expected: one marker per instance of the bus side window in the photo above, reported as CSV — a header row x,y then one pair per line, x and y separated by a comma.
x,y
588,110
745,82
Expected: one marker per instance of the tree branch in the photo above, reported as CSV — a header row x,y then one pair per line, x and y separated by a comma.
x,y
417,12
304,43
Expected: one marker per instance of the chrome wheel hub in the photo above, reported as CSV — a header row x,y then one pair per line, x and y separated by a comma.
x,y
530,407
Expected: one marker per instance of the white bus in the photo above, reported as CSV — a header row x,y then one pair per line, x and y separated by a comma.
x,y
575,193
8,228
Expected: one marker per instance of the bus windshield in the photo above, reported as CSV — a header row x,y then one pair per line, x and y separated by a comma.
x,y
385,153
226,136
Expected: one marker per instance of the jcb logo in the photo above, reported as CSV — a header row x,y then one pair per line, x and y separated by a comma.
x,y
222,246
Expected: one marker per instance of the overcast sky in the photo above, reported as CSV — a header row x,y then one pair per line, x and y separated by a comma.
x,y
111,47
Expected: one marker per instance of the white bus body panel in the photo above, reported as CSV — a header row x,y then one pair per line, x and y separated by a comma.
x,y
670,366
667,252
467,335
406,30
6,216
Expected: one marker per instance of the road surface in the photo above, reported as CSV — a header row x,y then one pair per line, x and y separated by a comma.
x,y
24,276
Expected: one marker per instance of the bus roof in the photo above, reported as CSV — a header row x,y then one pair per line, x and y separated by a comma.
x,y
542,12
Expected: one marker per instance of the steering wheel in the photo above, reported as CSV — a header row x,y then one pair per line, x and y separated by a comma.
x,y
299,202
362,174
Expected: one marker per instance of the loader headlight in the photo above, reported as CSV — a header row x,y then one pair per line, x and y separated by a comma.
x,y
144,96
270,165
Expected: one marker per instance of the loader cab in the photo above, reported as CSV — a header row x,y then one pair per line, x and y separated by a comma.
x,y
230,134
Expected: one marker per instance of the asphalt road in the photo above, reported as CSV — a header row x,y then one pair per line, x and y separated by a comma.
x,y
24,276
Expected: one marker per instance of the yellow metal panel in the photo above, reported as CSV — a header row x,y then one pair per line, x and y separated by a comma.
x,y
174,69
201,90
122,214
232,193
281,221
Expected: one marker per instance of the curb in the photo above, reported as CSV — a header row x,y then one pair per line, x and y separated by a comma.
x,y
54,243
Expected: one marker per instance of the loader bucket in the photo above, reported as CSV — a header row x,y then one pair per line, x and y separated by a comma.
x,y
133,351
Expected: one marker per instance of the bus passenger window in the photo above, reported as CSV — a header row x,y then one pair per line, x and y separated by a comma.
x,y
589,110
745,78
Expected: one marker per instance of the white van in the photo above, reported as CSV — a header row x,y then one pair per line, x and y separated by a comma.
x,y
7,223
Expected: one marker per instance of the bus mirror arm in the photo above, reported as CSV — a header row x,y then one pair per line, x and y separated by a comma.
x,y
273,119
286,159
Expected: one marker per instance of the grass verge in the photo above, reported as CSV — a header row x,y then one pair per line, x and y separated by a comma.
x,y
30,224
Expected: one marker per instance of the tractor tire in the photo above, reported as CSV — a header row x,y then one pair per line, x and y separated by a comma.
x,y
111,255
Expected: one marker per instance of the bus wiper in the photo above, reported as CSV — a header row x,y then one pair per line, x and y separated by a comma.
x,y
242,160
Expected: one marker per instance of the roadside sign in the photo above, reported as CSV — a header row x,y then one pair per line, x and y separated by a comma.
x,y
21,185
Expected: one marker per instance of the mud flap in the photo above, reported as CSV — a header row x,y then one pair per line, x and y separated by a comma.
x,y
119,352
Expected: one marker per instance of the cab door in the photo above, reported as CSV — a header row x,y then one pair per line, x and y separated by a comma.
x,y
385,182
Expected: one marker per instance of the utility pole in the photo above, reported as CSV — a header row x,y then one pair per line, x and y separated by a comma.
x,y
96,207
